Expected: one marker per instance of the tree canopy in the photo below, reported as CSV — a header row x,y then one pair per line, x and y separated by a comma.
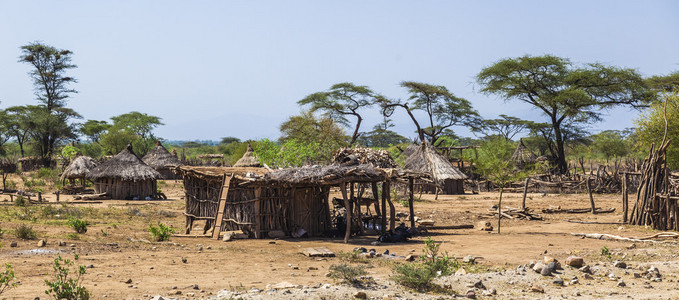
x,y
504,126
564,93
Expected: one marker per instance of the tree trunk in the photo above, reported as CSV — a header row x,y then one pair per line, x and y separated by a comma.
x,y
499,211
354,137
562,166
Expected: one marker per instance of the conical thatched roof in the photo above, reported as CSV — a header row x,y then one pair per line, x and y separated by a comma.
x,y
409,150
159,157
80,167
522,156
354,156
248,159
425,159
124,165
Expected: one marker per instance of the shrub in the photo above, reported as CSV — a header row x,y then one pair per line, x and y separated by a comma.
x,y
414,276
605,252
11,185
7,279
72,236
63,286
419,276
78,225
441,266
352,257
19,200
161,233
25,232
346,273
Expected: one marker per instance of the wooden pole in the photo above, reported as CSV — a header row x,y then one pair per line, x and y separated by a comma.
x,y
57,192
410,202
591,199
624,198
392,209
257,216
384,207
376,196
343,189
499,211
525,191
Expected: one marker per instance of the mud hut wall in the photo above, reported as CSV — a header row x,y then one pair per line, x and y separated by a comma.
x,y
121,189
166,173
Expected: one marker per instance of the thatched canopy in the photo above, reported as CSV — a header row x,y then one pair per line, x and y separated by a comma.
x,y
355,156
126,166
410,150
80,167
159,157
425,159
248,159
522,156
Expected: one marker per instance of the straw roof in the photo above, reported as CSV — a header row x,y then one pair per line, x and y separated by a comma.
x,y
126,166
248,159
159,157
522,156
409,150
354,156
80,167
426,159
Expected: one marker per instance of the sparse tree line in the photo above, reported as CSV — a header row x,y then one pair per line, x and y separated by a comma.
x,y
569,97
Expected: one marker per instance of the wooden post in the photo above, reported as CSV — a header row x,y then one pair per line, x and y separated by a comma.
x,y
40,196
376,196
624,197
359,218
384,207
410,202
223,194
525,191
258,218
591,199
392,209
57,192
499,210
347,208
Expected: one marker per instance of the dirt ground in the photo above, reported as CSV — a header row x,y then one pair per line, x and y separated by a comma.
x,y
123,263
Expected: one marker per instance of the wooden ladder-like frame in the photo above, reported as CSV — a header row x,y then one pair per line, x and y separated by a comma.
x,y
223,194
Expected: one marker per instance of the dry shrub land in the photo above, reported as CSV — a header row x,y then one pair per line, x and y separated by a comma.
x,y
124,261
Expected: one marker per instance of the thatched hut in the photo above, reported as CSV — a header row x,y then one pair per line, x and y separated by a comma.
x,y
409,150
79,168
262,202
248,160
355,156
162,161
125,176
523,156
447,179
31,163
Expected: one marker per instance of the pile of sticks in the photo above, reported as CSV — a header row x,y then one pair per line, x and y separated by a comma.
x,y
656,203
516,213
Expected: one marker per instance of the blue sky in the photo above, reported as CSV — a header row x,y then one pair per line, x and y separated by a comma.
x,y
211,69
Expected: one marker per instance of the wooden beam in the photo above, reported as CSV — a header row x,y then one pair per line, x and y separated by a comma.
x,y
347,208
384,208
257,217
410,202
223,194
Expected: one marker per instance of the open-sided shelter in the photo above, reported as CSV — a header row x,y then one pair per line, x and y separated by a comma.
x,y
447,179
259,201
162,161
79,168
125,176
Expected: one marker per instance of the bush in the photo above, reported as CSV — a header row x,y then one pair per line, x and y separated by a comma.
x,y
11,185
78,225
414,276
19,200
64,287
346,273
25,232
161,233
352,257
7,279
419,276
441,266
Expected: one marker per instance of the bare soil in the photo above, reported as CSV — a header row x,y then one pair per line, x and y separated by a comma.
x,y
124,263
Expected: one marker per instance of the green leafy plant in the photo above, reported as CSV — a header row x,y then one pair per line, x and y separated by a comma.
x,y
7,279
346,273
414,276
605,252
78,225
72,236
104,233
63,286
352,257
419,276
25,232
161,233
19,200
440,265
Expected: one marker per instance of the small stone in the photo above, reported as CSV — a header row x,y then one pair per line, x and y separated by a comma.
x,y
484,226
479,285
621,284
612,276
209,247
200,247
460,272
574,281
637,275
360,250
537,289
548,259
558,281
90,266
42,243
72,245
620,264
492,291
538,267
62,244
128,281
549,269
410,257
360,295
13,244
586,270
195,287
587,276
386,252
575,261
312,269
471,294
227,237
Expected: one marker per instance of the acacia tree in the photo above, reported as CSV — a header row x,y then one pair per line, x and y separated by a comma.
x,y
342,100
49,119
16,123
93,129
442,108
567,95
505,126
133,127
